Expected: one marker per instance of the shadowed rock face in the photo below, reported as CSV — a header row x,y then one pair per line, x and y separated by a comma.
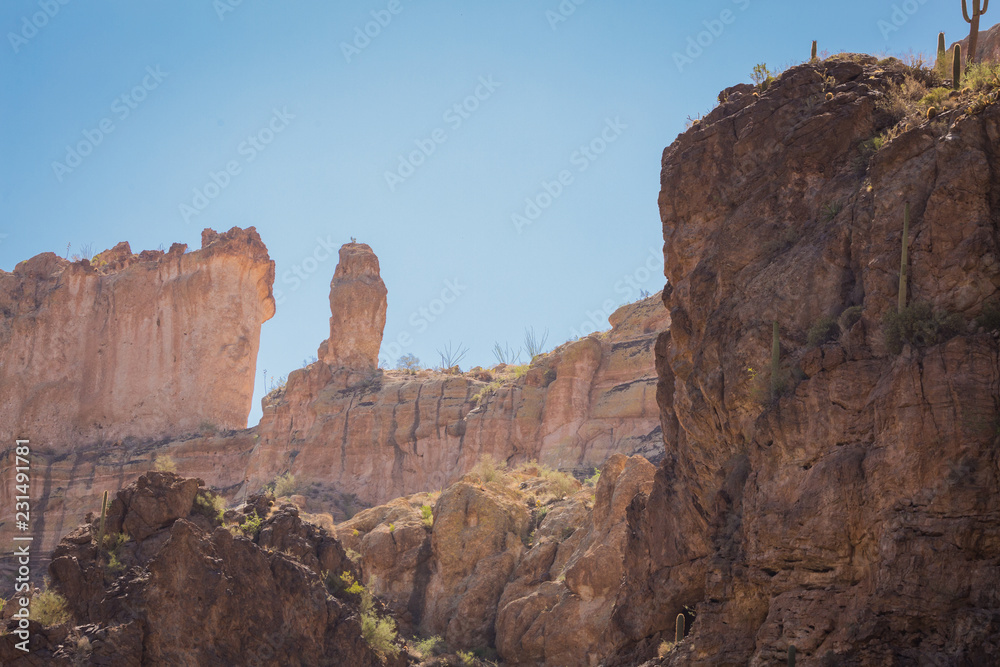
x,y
857,516
988,46
357,306
143,346
191,593
505,563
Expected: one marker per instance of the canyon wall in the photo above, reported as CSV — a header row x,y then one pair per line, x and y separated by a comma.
x,y
143,346
347,430
853,512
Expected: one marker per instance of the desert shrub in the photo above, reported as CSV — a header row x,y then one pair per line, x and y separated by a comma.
x,y
284,485
533,343
902,101
989,318
664,648
982,76
425,647
49,608
392,528
822,331
560,484
519,371
850,317
207,428
488,469
353,555
210,505
115,566
251,525
114,541
593,479
427,515
918,325
379,633
164,463
936,97
408,362
762,76
467,658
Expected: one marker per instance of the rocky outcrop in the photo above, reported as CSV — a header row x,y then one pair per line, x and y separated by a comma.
x,y
358,306
522,561
384,434
855,515
143,346
192,593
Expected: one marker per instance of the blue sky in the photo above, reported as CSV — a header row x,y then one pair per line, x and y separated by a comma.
x,y
478,112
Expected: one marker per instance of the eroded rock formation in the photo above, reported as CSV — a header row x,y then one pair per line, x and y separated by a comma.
x,y
183,590
855,516
141,346
524,562
358,306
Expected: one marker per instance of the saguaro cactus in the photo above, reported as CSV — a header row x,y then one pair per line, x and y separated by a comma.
x,y
775,360
973,22
813,57
100,530
956,75
941,67
679,628
791,656
902,259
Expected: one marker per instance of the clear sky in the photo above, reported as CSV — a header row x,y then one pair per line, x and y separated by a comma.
x,y
423,138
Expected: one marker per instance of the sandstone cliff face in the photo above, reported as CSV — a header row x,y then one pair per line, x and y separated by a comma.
x,y
358,305
143,346
506,563
856,516
189,592
384,434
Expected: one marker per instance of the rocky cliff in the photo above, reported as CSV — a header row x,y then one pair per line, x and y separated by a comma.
x,y
522,561
166,584
851,509
345,429
143,346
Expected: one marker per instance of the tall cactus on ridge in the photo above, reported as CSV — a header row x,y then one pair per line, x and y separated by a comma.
x,y
100,531
902,259
775,361
942,55
813,57
973,22
679,629
956,76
